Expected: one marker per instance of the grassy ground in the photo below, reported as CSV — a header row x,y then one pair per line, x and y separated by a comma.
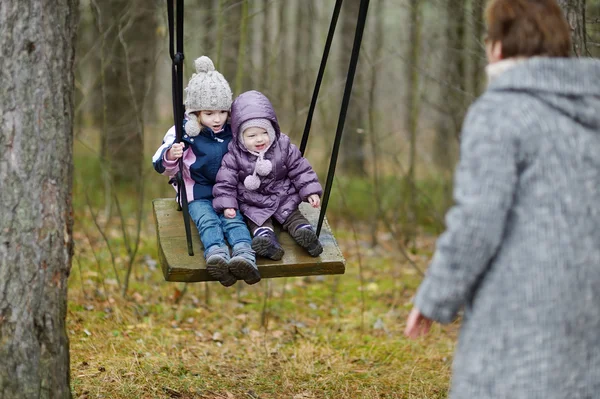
x,y
318,337
329,337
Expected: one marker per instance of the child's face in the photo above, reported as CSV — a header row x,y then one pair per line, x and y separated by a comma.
x,y
256,139
213,119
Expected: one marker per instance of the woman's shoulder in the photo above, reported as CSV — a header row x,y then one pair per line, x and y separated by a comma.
x,y
497,116
497,108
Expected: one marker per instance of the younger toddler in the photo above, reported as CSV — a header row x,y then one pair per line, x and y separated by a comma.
x,y
264,176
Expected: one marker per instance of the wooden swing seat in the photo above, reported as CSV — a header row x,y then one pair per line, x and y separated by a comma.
x,y
177,265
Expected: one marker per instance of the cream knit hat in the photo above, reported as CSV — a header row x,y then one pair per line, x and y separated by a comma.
x,y
207,90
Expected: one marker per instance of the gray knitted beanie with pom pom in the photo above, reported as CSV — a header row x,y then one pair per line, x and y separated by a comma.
x,y
207,91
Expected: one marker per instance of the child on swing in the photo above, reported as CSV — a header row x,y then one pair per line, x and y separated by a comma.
x,y
205,139
265,177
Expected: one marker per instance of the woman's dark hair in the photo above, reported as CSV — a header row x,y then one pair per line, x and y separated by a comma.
x,y
528,28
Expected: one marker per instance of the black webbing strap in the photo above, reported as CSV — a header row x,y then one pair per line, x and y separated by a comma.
x,y
177,87
313,102
360,27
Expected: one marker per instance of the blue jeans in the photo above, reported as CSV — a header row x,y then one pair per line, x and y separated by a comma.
x,y
215,228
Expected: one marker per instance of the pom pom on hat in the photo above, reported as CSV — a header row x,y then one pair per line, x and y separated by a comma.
x,y
263,167
207,89
252,182
204,64
192,127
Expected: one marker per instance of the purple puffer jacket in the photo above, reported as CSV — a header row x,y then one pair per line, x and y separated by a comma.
x,y
290,182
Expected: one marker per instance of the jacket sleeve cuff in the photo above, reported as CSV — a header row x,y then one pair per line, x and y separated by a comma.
x,y
310,189
166,162
432,302
222,203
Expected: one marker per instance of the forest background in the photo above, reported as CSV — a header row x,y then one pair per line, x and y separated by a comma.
x,y
133,335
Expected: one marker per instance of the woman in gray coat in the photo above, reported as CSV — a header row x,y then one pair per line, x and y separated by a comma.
x,y
521,253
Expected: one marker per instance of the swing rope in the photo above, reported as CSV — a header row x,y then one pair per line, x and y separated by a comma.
x,y
177,87
313,101
177,82
360,27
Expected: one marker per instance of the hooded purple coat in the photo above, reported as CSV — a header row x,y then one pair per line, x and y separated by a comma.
x,y
291,181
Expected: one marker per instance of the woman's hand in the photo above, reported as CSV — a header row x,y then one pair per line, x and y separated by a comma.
x,y
175,152
229,213
314,200
417,324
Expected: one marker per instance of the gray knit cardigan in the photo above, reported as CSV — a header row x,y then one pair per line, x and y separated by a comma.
x,y
521,253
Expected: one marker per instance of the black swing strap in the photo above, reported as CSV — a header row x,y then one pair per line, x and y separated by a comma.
x,y
360,27
313,102
177,88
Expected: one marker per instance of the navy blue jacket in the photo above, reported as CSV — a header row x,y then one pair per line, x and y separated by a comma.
x,y
202,157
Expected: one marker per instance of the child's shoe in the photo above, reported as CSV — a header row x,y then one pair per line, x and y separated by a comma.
x,y
265,244
217,265
243,264
306,237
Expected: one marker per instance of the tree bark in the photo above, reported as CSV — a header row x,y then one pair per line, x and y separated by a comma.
x,y
575,13
37,41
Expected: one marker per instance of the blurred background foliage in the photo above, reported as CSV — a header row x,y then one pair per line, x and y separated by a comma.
x,y
421,66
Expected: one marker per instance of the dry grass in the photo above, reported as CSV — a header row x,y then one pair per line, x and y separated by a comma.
x,y
330,337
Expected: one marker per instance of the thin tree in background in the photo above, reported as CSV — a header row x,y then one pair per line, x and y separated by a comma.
x,y
301,69
36,221
242,57
412,112
575,13
88,98
220,36
592,27
231,21
128,34
353,151
376,69
266,47
478,56
210,25
452,95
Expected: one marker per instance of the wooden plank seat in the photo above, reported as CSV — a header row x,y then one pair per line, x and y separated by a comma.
x,y
177,265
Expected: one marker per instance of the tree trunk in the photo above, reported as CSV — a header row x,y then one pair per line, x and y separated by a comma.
x,y
266,47
353,149
377,35
242,57
301,69
128,30
575,13
230,22
210,23
280,77
88,99
593,27
412,113
37,40
478,58
453,86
